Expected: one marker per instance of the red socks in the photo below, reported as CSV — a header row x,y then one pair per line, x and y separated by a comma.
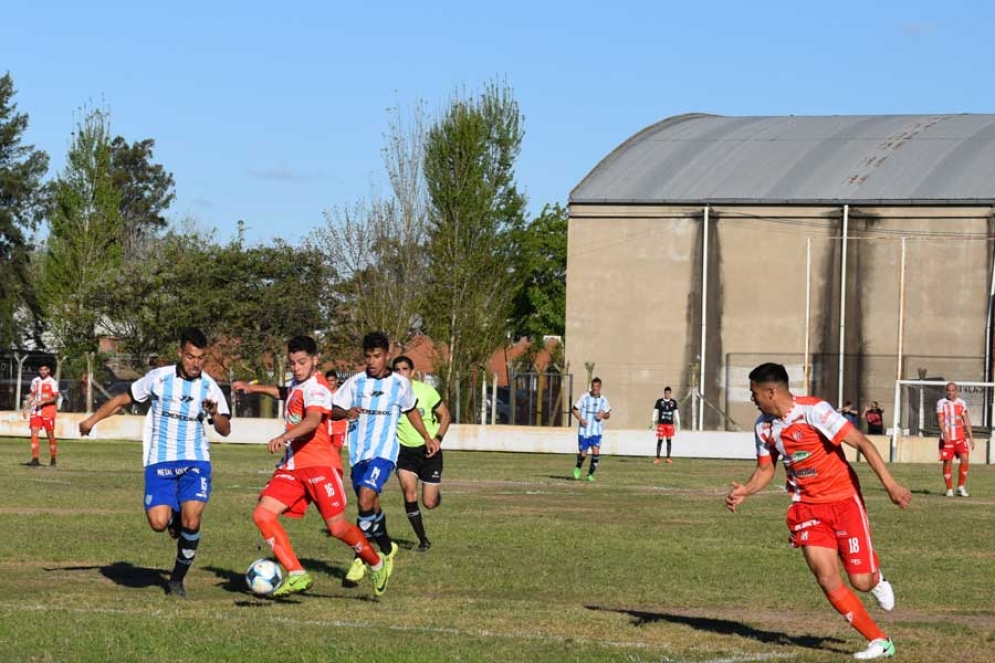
x,y
274,534
849,605
353,537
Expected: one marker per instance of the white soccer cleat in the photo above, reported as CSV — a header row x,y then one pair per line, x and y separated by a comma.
x,y
962,491
950,492
880,648
884,594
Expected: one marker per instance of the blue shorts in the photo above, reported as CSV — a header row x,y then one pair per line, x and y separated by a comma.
x,y
177,481
372,474
585,443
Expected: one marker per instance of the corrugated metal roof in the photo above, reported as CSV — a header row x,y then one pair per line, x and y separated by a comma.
x,y
895,159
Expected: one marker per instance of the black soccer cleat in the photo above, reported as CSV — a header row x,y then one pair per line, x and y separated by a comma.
x,y
424,546
176,588
34,463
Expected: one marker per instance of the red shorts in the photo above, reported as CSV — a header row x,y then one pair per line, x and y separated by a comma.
x,y
664,431
41,422
958,448
841,525
297,489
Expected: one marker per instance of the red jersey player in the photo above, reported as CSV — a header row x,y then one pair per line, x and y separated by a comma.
x,y
827,518
42,404
309,472
955,432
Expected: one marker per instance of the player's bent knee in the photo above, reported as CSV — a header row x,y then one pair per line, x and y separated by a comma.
x,y
339,528
263,515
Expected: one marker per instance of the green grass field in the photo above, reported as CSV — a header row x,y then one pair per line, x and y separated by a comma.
x,y
527,565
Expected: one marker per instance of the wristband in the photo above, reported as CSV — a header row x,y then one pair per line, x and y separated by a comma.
x,y
438,438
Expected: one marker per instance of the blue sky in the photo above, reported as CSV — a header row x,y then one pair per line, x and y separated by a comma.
x,y
275,112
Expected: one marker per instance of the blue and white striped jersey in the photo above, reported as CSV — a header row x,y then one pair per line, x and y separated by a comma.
x,y
382,402
588,406
175,425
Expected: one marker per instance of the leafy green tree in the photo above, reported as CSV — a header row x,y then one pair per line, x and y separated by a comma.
x,y
474,208
22,198
541,271
146,188
84,244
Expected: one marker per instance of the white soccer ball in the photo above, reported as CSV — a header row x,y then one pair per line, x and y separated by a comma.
x,y
264,577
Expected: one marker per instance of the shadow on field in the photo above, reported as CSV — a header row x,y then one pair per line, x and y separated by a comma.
x,y
728,627
125,574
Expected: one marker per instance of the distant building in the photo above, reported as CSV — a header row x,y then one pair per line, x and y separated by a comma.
x,y
782,197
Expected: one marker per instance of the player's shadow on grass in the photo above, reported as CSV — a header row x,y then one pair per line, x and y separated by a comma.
x,y
125,574
234,582
728,627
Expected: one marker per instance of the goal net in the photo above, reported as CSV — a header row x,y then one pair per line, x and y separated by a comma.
x,y
914,414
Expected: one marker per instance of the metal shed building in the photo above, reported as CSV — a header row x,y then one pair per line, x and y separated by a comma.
x,y
853,249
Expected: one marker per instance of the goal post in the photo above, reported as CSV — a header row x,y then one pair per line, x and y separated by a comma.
x,y
914,413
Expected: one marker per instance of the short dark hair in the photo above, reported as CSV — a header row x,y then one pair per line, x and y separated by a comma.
x,y
48,363
194,337
598,380
302,344
375,340
666,389
402,359
330,373
769,373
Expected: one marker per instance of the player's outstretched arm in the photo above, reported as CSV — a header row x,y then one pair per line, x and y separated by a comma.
x,y
255,388
898,493
104,411
762,475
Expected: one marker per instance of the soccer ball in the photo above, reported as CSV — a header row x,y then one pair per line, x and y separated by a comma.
x,y
264,577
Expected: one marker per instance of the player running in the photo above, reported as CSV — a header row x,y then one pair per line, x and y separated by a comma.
x,y
667,418
175,447
414,464
827,518
373,401
310,471
955,431
590,409
40,410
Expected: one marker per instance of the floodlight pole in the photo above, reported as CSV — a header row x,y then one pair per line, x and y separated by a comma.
x,y
846,225
704,321
901,348
808,313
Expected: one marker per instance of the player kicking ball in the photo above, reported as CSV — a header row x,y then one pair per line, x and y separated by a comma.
x,y
827,518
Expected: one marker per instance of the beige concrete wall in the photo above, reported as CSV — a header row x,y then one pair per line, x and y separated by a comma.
x,y
633,300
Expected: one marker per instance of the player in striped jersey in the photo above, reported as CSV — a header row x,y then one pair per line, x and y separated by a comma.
x,y
590,409
373,402
175,446
827,518
42,404
955,432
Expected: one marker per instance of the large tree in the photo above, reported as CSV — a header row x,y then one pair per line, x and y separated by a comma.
x,y
146,189
541,272
22,197
475,206
84,246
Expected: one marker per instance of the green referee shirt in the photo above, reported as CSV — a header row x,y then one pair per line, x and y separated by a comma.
x,y
428,400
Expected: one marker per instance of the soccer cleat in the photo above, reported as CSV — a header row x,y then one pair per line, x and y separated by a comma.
x,y
656,461
950,492
176,588
356,573
669,461
390,557
424,546
382,575
880,648
590,477
884,594
34,463
52,463
576,473
962,491
294,584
